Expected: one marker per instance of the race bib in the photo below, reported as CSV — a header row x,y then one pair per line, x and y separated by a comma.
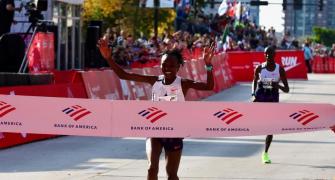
x,y
267,83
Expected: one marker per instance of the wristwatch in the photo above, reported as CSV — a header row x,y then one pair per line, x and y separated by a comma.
x,y
209,67
252,94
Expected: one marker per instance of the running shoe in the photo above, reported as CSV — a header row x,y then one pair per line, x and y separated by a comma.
x,y
265,158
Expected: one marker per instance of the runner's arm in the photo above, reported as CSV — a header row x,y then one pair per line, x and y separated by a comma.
x,y
209,84
284,88
106,53
255,80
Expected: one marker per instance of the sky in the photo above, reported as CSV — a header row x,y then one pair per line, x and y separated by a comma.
x,y
272,15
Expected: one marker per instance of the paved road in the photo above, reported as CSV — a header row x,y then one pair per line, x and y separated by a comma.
x,y
295,156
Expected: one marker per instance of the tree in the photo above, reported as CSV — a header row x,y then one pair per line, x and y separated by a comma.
x,y
127,15
324,35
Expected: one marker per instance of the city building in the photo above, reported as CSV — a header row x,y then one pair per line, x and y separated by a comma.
x,y
300,22
253,12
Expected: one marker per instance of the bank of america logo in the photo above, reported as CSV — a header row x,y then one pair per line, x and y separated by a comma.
x,y
228,115
304,116
5,108
152,114
76,112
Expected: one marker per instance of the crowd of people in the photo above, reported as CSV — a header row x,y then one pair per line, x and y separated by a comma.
x,y
225,33
128,51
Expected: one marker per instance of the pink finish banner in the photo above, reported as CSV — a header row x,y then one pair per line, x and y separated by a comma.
x,y
51,115
119,118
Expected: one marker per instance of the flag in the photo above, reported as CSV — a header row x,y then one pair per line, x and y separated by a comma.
x,y
245,13
182,3
232,9
223,8
225,33
238,12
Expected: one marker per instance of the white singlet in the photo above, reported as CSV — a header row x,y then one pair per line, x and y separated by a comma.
x,y
267,77
171,92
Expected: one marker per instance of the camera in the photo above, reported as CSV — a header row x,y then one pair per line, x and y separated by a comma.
x,y
34,11
33,14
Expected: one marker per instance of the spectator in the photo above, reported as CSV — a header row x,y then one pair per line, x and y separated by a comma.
x,y
287,41
308,57
332,51
295,44
121,39
7,9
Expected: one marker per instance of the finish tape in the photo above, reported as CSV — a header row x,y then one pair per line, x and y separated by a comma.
x,y
120,118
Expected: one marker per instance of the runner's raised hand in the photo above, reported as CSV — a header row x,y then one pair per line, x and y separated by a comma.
x,y
105,50
208,54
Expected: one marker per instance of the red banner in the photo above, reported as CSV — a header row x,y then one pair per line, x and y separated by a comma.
x,y
41,54
323,64
106,85
243,64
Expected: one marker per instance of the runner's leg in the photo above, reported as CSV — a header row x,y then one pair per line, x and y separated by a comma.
x,y
154,150
172,163
268,141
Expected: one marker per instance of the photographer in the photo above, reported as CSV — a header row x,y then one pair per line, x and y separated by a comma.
x,y
7,9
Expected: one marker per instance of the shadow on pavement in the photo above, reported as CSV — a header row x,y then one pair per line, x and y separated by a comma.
x,y
306,165
72,152
274,140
